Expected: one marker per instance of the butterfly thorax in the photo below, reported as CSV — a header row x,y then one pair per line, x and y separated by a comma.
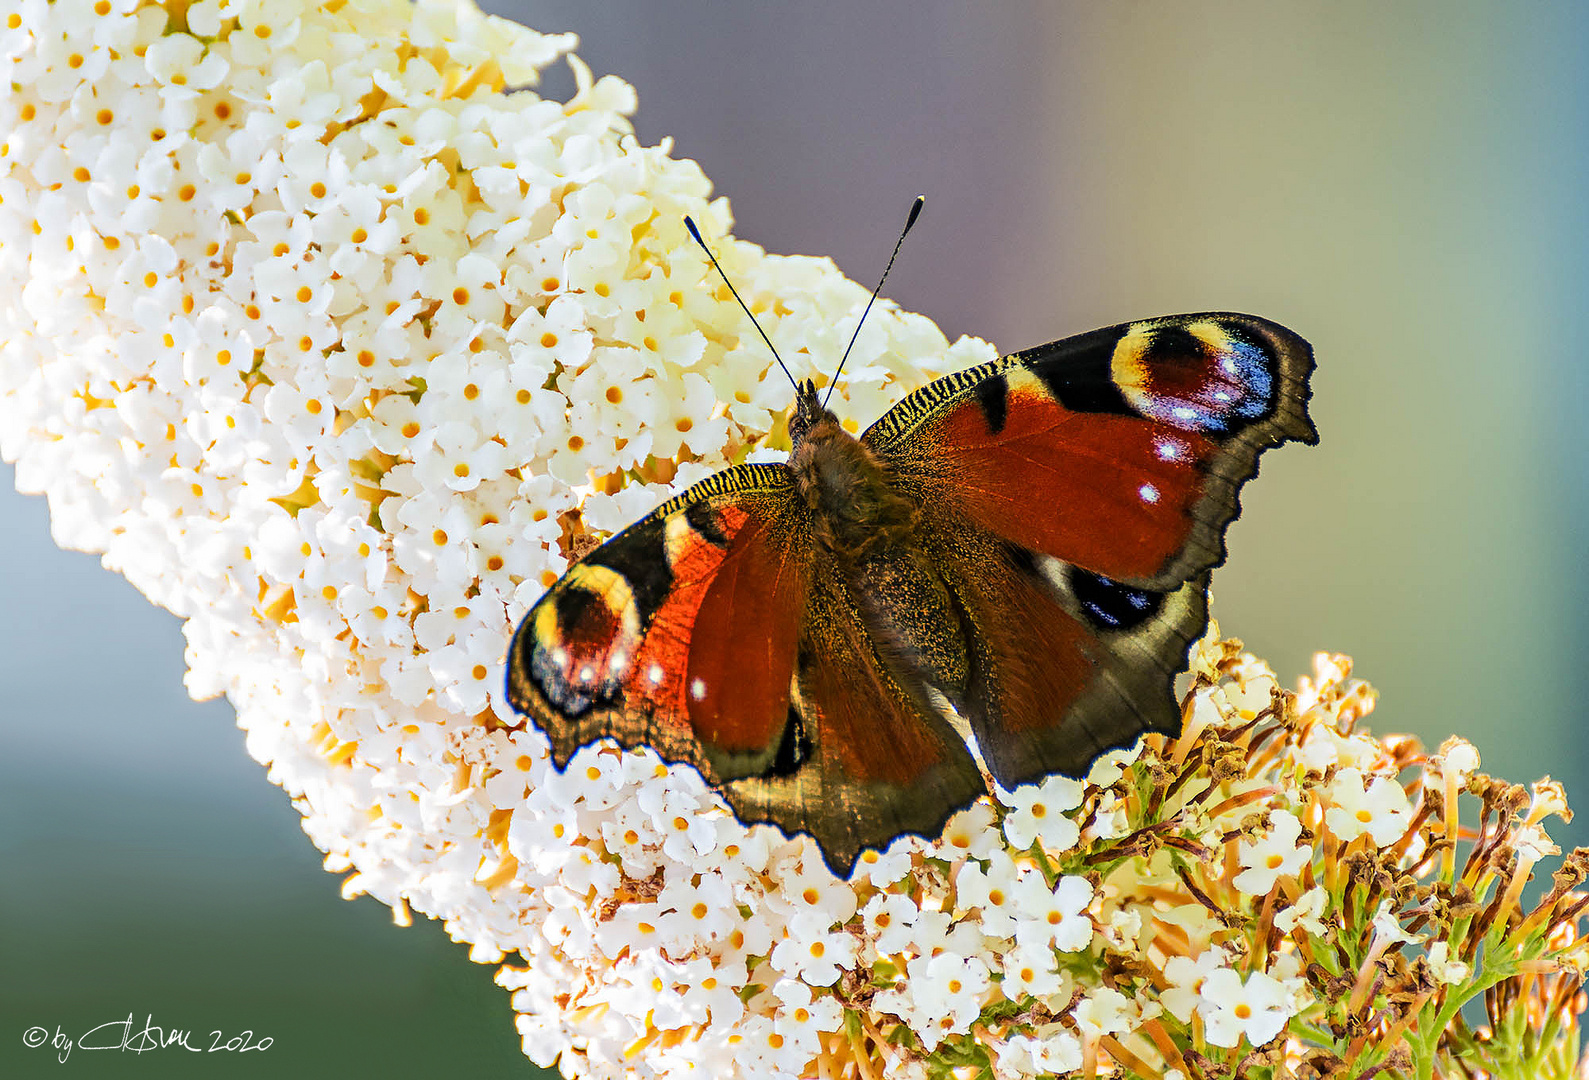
x,y
855,508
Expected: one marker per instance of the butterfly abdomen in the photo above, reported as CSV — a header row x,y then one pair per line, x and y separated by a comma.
x,y
908,608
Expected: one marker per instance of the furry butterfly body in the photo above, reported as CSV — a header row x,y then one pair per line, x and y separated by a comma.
x,y
1026,543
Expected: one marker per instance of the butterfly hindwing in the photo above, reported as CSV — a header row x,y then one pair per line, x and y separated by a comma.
x,y
875,757
1075,497
1064,665
715,631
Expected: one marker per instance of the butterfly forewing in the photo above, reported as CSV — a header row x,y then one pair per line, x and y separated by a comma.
x,y
1075,497
679,633
1120,450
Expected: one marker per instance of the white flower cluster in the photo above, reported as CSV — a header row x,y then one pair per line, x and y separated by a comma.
x,y
340,352
335,349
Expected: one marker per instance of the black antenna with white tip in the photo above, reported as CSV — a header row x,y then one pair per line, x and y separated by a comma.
x,y
915,212
690,225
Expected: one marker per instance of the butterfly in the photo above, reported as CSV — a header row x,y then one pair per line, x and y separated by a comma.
x,y
1019,552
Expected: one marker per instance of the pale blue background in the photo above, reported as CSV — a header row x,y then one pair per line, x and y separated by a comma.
x,y
1405,188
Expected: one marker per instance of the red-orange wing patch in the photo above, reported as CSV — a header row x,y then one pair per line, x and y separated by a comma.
x,y
1120,451
679,633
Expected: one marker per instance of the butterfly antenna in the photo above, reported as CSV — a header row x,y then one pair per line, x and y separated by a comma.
x,y
915,212
690,225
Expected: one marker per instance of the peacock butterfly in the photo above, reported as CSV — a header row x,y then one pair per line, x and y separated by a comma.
x,y
1028,541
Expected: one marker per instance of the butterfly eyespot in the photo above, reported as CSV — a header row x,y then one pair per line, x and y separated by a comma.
x,y
1110,604
699,911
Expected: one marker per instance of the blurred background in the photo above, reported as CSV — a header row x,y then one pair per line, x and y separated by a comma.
x,y
1403,185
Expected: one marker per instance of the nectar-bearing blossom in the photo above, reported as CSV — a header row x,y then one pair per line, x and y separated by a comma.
x,y
342,352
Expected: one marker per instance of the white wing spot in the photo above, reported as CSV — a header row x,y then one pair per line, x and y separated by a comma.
x,y
1168,449
587,673
1182,412
560,656
620,660
1149,493
655,674
697,689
